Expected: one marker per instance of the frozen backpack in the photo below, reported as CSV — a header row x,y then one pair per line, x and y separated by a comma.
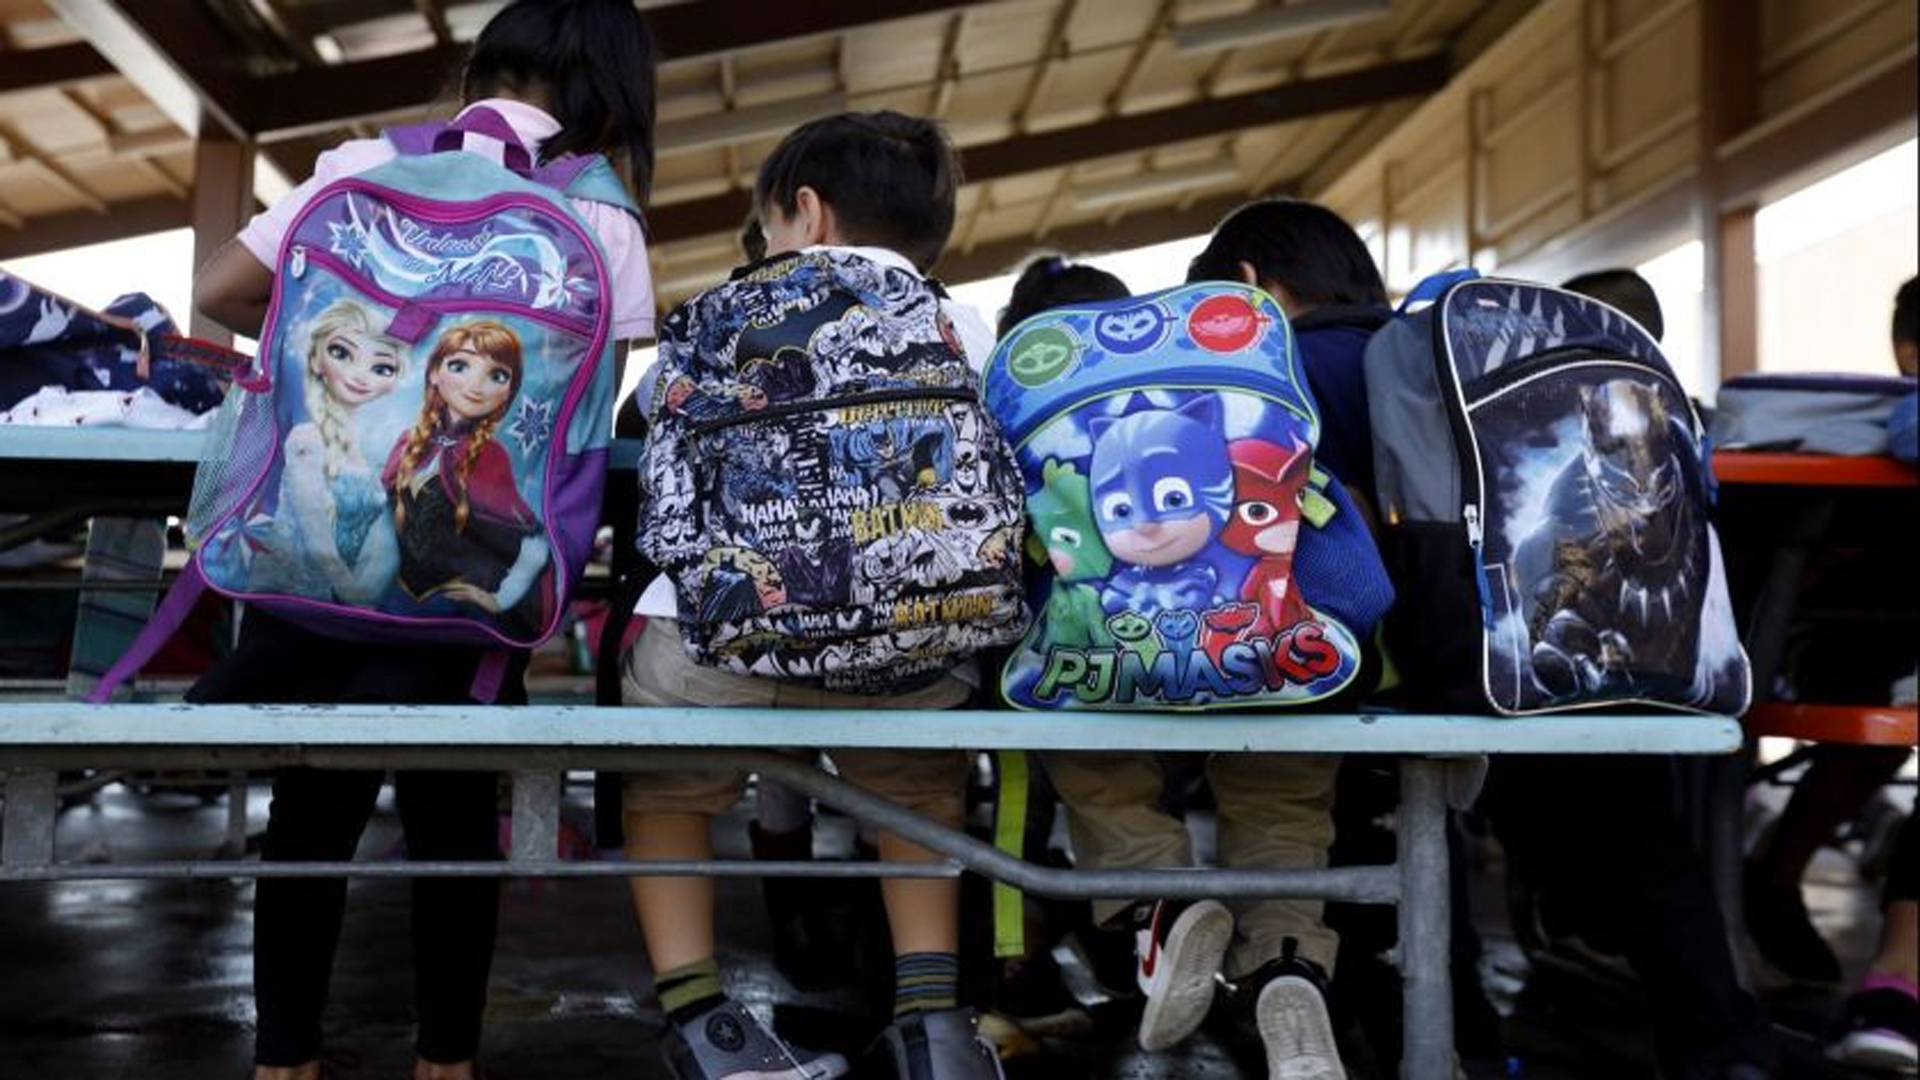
x,y
1172,498
1544,489
419,451
821,483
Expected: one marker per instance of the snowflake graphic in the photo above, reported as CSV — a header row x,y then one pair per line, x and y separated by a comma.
x,y
532,425
349,241
248,536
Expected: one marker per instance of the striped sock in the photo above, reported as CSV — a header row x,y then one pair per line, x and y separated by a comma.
x,y
925,982
689,990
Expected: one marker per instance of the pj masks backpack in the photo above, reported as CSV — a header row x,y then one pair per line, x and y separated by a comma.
x,y
1186,553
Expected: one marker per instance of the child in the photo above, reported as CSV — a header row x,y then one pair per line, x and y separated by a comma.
x,y
569,76
882,184
465,532
332,503
1051,281
1274,809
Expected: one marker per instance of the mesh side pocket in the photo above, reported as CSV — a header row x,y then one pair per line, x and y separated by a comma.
x,y
239,447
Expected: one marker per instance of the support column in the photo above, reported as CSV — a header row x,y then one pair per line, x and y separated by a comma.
x,y
1729,105
222,203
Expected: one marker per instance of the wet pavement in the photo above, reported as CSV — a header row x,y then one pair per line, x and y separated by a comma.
x,y
151,979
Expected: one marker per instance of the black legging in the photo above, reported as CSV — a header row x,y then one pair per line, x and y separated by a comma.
x,y
1903,868
318,815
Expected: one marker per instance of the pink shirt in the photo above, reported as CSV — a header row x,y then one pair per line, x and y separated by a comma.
x,y
620,236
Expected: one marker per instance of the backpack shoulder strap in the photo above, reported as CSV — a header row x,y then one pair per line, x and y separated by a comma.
x,y
589,177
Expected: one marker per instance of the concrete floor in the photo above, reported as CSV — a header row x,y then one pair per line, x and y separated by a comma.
x,y
151,979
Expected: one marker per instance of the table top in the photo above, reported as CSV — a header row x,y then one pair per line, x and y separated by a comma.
x,y
1811,470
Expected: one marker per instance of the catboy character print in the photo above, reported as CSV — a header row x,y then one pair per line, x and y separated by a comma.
x,y
1167,445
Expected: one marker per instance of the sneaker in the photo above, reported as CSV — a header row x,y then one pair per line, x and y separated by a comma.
x,y
1781,929
1289,997
729,1043
1179,945
1878,1029
942,1045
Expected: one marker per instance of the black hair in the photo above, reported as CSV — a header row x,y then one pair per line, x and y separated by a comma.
x,y
1626,290
753,240
891,179
588,62
1906,312
1050,281
1300,245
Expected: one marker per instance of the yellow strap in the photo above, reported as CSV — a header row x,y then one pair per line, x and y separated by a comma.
x,y
1009,835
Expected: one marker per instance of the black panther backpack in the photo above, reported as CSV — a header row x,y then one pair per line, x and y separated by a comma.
x,y
821,483
1544,489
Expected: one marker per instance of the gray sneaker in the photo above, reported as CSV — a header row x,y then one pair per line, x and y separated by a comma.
x,y
942,1045
729,1043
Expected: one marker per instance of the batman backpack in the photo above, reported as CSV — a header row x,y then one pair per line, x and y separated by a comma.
x,y
1544,487
1186,551
821,484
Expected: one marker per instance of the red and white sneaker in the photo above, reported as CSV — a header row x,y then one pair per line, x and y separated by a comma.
x,y
1179,945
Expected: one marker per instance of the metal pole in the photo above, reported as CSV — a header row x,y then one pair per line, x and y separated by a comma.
x,y
1425,921
536,816
26,837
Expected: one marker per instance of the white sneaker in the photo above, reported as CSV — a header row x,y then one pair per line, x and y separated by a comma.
x,y
1179,952
1292,1017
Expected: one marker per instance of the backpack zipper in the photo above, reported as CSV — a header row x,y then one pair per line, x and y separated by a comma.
x,y
872,397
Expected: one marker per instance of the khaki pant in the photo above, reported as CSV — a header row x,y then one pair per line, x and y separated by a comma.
x,y
1275,811
657,671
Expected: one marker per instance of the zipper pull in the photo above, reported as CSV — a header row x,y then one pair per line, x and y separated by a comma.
x,y
297,261
1471,513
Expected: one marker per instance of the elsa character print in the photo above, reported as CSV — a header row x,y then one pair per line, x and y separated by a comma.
x,y
330,500
465,533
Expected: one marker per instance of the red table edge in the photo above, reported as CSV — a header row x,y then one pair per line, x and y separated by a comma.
x,y
1811,470
1862,725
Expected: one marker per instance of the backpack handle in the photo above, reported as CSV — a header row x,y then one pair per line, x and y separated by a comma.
x,y
1434,286
487,124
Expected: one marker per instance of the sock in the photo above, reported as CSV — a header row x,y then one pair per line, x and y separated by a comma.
x,y
689,990
925,982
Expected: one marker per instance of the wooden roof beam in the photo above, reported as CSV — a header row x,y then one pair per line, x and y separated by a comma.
x,y
174,52
303,102
1121,135
52,68
57,232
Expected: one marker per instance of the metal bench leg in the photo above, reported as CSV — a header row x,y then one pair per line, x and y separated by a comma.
x,y
235,846
26,833
1425,921
536,816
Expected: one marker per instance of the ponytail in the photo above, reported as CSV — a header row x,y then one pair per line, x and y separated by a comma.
x,y
588,62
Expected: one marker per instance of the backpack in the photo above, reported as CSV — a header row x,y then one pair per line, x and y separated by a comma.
x,y
418,454
1187,551
1808,412
820,481
1544,490
47,340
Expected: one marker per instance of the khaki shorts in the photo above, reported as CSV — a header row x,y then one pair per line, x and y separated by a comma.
x,y
657,671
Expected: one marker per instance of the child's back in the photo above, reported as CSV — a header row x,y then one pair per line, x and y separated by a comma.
x,y
864,360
